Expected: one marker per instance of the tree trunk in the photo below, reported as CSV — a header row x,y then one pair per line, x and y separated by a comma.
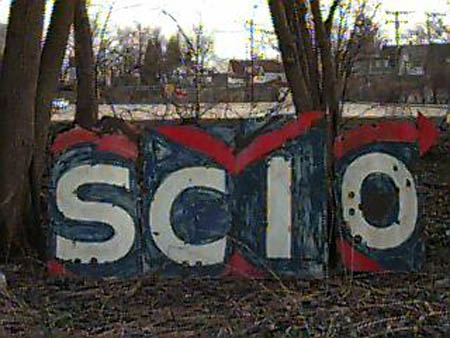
x,y
313,86
333,118
311,55
18,84
50,69
326,56
87,109
300,92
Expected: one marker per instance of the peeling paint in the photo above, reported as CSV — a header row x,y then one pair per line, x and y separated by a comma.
x,y
234,198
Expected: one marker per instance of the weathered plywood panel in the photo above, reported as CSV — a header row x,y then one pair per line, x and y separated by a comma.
x,y
209,205
280,206
186,207
94,220
245,198
380,208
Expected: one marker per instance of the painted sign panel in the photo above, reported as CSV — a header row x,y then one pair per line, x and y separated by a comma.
x,y
235,198
211,209
93,204
280,211
379,207
187,212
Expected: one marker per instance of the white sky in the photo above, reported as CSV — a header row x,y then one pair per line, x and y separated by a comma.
x,y
226,20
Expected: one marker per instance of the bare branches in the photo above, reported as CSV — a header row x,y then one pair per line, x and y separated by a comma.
x,y
330,18
311,54
328,73
300,92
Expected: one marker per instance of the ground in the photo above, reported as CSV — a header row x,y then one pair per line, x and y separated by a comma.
x,y
343,305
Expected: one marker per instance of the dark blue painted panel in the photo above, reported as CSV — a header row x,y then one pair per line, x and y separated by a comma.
x,y
68,208
303,160
380,193
238,197
198,215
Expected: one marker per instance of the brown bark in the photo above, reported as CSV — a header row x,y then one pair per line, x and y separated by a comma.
x,y
50,68
300,93
333,118
326,56
293,20
18,84
329,22
311,55
87,109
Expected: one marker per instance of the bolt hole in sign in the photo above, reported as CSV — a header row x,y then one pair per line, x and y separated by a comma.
x,y
216,210
207,206
380,210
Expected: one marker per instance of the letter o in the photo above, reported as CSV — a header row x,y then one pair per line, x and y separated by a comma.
x,y
396,233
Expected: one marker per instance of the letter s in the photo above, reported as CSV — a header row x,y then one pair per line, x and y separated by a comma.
x,y
73,208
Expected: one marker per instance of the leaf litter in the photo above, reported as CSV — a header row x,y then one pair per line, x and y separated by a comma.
x,y
401,304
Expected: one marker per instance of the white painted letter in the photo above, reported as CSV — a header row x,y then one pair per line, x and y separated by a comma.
x,y
161,227
73,208
397,233
279,205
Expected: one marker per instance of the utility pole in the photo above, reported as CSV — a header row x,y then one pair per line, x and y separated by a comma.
x,y
198,68
252,55
252,58
397,23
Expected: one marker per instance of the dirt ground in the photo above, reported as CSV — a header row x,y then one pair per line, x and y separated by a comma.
x,y
342,305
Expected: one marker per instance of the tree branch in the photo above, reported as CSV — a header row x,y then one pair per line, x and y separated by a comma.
x,y
328,74
329,21
300,92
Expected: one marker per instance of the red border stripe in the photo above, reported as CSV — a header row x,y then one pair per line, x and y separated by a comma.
x,y
70,138
238,266
266,143
199,140
116,144
366,134
428,134
353,260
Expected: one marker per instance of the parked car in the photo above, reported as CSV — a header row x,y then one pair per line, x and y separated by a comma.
x,y
60,104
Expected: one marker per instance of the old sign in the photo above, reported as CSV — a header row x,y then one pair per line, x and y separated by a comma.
x,y
214,199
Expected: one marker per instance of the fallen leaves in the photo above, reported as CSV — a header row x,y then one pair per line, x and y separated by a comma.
x,y
387,304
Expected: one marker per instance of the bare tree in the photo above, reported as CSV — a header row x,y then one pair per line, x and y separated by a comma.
x,y
173,56
432,31
49,73
18,86
28,83
87,109
316,62
353,34
2,41
197,51
153,66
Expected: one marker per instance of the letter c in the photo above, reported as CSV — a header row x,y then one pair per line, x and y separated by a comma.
x,y
160,210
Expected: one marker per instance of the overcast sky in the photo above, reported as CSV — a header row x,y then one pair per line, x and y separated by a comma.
x,y
226,20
